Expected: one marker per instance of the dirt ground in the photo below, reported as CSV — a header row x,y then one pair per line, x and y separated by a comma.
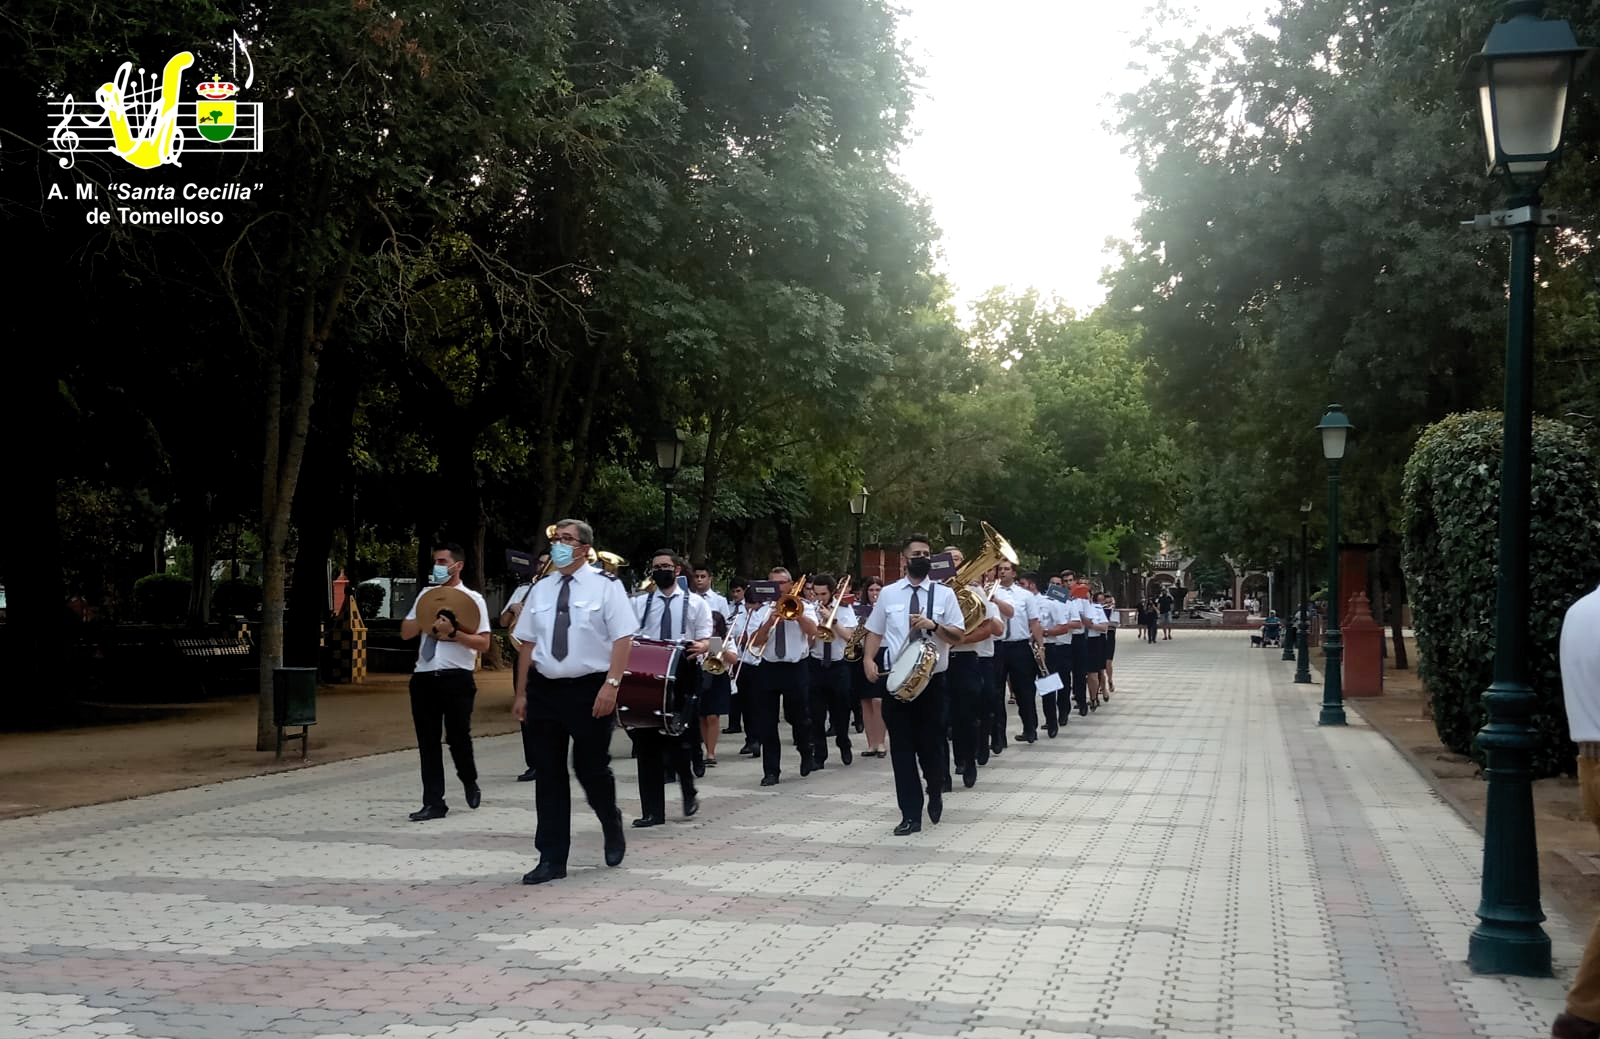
x,y
129,750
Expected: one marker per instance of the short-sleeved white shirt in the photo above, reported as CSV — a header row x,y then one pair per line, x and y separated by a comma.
x,y
795,643
599,613
1092,613
983,647
444,654
1580,668
688,615
1025,606
892,617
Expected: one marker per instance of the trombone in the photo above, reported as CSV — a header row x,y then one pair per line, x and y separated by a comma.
x,y
788,607
825,631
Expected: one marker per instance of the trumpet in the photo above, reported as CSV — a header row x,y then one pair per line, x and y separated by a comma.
x,y
825,632
1038,658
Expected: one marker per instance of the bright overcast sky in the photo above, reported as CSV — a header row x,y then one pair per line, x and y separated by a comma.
x,y
1025,181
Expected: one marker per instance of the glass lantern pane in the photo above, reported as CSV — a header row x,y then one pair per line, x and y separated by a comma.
x,y
1530,99
1333,442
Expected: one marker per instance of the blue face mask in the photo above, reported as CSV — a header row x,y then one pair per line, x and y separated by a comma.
x,y
439,574
561,555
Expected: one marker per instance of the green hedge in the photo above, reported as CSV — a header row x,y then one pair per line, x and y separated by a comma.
x,y
369,600
161,598
1451,516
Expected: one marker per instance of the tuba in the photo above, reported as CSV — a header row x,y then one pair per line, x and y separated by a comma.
x,y
974,604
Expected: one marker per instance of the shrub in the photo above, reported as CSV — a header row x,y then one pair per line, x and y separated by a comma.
x,y
161,598
1451,515
237,598
369,599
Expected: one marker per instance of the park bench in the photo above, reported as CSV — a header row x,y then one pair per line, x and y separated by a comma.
x,y
219,664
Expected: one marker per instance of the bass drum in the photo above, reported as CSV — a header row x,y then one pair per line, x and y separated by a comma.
x,y
659,687
912,670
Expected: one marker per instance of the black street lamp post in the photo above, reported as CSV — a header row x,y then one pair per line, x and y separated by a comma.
x,y
669,459
1522,76
858,509
1302,669
1335,429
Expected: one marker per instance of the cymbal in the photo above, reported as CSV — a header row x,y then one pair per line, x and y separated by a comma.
x,y
453,599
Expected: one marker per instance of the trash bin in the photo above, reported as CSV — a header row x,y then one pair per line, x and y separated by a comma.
x,y
294,702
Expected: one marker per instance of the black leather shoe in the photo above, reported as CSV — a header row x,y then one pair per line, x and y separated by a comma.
x,y
544,872
691,805
699,768
616,842
427,812
1023,737
908,826
845,755
730,730
1083,712
983,755
751,748
528,777
648,820
769,780
474,796
807,766
935,807
969,775
1051,730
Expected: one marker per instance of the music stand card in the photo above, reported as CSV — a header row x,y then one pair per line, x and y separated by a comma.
x,y
759,593
1058,593
941,566
1050,683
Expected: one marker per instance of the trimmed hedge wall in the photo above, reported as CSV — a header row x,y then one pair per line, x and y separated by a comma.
x,y
1451,517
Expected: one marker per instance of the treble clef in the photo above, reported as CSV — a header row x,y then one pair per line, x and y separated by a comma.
x,y
63,139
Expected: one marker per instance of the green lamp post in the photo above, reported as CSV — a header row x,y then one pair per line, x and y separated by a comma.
x,y
1522,76
1335,429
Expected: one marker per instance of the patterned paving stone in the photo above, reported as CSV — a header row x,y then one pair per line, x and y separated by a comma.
x,y
1196,859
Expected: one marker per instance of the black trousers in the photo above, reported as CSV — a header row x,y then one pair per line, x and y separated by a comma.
x,y
560,710
1080,673
829,699
656,752
1057,708
964,686
776,683
995,693
1022,672
443,696
916,741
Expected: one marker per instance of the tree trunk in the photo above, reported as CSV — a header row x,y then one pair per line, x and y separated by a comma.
x,y
716,442
786,546
200,544
1393,582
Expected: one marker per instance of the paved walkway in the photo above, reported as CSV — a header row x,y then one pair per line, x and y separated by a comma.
x,y
1197,859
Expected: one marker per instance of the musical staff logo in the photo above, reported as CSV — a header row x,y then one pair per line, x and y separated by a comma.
x,y
144,121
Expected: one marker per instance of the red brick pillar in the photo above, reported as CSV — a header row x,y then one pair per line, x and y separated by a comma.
x,y
1363,648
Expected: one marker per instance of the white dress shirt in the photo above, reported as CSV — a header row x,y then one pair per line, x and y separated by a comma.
x,y
599,612
844,622
1025,609
445,654
892,617
795,643
688,616
1580,668
983,647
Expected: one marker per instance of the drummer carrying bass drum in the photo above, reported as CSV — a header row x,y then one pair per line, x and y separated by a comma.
x,y
902,621
671,614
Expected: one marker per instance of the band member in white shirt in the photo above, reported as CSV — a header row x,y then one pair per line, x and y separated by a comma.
x,y
1019,612
911,612
966,686
576,633
715,690
1091,659
508,621
442,687
1058,620
669,614
781,678
830,680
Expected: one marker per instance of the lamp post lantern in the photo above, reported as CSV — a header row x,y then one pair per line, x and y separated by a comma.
x,y
858,509
669,459
1335,428
1523,76
958,523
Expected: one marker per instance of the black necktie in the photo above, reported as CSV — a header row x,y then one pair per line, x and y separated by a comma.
x,y
783,641
915,609
827,652
666,620
558,641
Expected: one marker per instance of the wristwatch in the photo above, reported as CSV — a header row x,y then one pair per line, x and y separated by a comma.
x,y
615,683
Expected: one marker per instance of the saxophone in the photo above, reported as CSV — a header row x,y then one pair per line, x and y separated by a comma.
x,y
856,643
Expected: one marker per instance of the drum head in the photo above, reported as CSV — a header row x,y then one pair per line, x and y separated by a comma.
x,y
904,664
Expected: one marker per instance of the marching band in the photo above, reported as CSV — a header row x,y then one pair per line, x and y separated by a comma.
x,y
922,667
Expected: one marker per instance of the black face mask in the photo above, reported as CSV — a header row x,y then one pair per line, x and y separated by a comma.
x,y
664,579
918,567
